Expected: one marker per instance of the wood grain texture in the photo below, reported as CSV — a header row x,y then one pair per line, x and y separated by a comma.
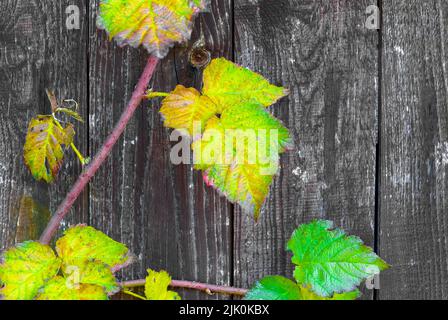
x,y
163,212
37,51
321,50
414,162
328,59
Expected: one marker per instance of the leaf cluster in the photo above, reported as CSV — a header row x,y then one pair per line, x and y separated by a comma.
x,y
82,268
237,142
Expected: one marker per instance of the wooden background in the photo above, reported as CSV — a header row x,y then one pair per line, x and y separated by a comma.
x,y
368,110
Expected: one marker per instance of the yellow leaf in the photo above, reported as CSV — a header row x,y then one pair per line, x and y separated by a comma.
x,y
239,154
91,272
155,24
184,108
82,243
156,287
43,150
25,268
228,84
60,288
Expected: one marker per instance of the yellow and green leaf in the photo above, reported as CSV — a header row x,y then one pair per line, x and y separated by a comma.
x,y
94,273
228,85
43,151
328,261
232,111
25,269
185,108
81,244
60,288
155,24
156,287
84,269
239,154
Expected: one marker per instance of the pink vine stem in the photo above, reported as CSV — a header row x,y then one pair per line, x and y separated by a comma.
x,y
207,288
105,150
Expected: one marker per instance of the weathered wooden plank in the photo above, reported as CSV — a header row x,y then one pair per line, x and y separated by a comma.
x,y
322,51
414,162
163,212
37,51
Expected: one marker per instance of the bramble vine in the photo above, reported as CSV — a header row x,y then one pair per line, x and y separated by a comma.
x,y
329,264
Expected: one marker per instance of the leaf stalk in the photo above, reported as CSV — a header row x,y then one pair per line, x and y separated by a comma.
x,y
134,295
151,95
81,158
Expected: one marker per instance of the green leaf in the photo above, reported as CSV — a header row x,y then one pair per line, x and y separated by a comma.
x,y
60,288
274,288
281,288
92,272
184,108
81,244
43,150
25,268
155,24
228,84
329,261
307,294
239,154
156,287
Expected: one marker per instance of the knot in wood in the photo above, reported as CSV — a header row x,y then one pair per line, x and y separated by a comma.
x,y
200,57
